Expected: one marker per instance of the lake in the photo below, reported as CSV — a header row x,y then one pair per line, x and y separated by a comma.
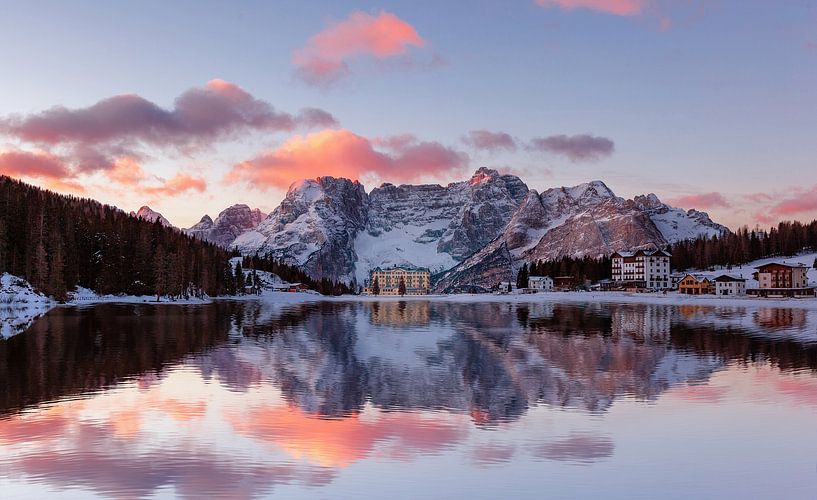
x,y
410,399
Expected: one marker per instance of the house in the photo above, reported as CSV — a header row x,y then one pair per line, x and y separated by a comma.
x,y
416,280
728,285
564,283
695,285
505,287
642,269
540,283
676,278
290,287
782,279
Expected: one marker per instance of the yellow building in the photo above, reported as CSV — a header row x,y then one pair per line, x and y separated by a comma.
x,y
417,280
695,285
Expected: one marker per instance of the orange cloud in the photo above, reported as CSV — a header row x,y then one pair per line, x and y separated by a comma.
x,y
324,59
178,184
39,165
617,7
128,172
341,153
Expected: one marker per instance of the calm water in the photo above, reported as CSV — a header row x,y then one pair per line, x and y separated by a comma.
x,y
411,399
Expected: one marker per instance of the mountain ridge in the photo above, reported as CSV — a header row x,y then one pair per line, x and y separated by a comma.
x,y
332,228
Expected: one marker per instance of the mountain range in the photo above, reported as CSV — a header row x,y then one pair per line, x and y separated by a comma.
x,y
477,231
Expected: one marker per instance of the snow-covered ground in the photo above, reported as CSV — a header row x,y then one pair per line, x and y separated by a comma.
x,y
746,270
82,296
671,298
20,305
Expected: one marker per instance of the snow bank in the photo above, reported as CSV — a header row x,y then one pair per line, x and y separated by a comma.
x,y
745,271
673,298
86,296
20,305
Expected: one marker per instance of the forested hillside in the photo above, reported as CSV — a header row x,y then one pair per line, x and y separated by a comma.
x,y
731,249
57,242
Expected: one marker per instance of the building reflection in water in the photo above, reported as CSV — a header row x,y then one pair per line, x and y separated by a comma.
x,y
116,397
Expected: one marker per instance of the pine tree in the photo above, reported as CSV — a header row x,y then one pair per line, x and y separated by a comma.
x,y
376,287
239,278
522,277
401,287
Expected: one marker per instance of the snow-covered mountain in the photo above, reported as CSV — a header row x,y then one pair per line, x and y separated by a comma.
x,y
476,231
314,227
230,223
146,213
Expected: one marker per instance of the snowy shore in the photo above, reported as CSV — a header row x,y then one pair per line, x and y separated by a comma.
x,y
672,298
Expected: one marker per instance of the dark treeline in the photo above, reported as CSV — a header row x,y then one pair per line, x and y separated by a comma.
x,y
731,249
59,242
734,249
295,274
581,269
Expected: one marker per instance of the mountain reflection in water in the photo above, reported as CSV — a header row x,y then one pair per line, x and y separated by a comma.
x,y
247,398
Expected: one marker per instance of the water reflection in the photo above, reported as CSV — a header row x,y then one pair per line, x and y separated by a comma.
x,y
253,397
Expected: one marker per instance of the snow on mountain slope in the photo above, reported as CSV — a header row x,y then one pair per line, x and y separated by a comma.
x,y
230,223
332,228
435,226
146,213
674,223
313,227
584,220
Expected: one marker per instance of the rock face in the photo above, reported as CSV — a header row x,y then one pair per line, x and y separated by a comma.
x,y
435,226
150,215
675,224
585,220
314,227
476,232
230,223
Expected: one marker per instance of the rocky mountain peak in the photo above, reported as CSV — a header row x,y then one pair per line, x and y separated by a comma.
x,y
204,224
590,191
483,174
230,223
150,215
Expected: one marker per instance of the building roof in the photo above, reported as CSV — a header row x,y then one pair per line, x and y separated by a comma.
x,y
540,278
698,277
646,253
404,267
782,264
728,277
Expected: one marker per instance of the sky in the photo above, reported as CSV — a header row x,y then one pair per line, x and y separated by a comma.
x,y
192,106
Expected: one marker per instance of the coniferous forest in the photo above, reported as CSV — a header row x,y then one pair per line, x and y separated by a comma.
x,y
59,242
731,249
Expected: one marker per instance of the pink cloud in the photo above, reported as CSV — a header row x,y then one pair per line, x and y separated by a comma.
x,y
764,218
341,153
395,142
577,148
96,137
701,201
198,115
758,197
490,141
802,201
326,55
39,165
617,7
